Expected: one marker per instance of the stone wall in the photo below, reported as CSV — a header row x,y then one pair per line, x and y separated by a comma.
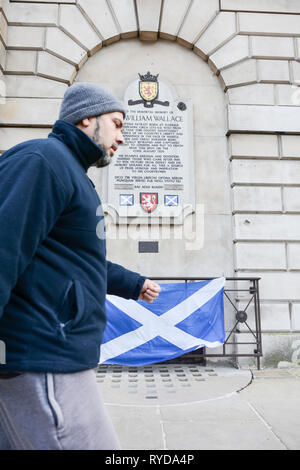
x,y
253,47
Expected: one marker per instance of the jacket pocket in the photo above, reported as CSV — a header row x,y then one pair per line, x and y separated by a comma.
x,y
73,307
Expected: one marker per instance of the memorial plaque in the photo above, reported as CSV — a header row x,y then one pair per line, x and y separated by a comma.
x,y
152,175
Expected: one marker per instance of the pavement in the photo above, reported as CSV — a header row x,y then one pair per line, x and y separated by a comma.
x,y
192,407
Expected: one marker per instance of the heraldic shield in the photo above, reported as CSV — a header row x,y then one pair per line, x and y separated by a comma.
x,y
148,88
149,201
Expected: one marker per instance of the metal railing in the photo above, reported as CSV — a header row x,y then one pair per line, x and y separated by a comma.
x,y
241,317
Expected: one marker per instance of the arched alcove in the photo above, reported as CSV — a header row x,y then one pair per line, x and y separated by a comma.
x,y
114,67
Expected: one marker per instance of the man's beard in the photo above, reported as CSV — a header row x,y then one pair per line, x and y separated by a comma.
x,y
103,161
106,159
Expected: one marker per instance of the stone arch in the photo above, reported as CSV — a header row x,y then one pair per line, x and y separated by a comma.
x,y
56,39
255,54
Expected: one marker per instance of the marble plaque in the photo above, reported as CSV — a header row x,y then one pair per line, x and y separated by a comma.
x,y
152,174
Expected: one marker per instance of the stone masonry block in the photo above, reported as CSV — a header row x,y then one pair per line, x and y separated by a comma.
x,y
240,74
2,56
45,1
267,227
64,47
296,71
272,47
33,87
50,66
274,316
25,37
287,95
290,146
272,6
29,112
293,255
222,28
38,15
273,71
10,136
256,93
199,15
296,317
78,28
263,118
283,286
291,197
3,27
254,145
124,11
260,256
148,12
173,14
256,199
265,172
20,61
103,22
232,52
276,25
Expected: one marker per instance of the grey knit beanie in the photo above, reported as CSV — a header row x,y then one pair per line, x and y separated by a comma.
x,y
84,99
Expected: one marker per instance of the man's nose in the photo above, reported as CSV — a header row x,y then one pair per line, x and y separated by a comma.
x,y
121,139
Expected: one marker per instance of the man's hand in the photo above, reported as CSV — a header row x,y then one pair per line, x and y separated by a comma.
x,y
150,291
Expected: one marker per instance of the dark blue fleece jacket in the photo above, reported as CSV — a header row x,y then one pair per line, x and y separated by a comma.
x,y
53,270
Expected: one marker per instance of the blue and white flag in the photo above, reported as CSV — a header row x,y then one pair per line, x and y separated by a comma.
x,y
183,318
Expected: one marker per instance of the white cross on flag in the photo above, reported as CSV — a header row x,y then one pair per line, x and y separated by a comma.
x,y
183,318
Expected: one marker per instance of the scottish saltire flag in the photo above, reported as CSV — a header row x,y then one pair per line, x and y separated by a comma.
x,y
183,318
171,200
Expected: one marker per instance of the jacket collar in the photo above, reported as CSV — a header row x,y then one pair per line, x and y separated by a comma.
x,y
80,143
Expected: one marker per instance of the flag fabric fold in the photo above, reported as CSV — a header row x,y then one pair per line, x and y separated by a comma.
x,y
183,318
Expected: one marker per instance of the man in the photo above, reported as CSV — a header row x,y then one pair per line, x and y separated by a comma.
x,y
54,277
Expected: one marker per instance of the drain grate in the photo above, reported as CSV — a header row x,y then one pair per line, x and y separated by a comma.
x,y
157,379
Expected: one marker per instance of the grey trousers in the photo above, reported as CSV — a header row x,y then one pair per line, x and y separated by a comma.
x,y
45,411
